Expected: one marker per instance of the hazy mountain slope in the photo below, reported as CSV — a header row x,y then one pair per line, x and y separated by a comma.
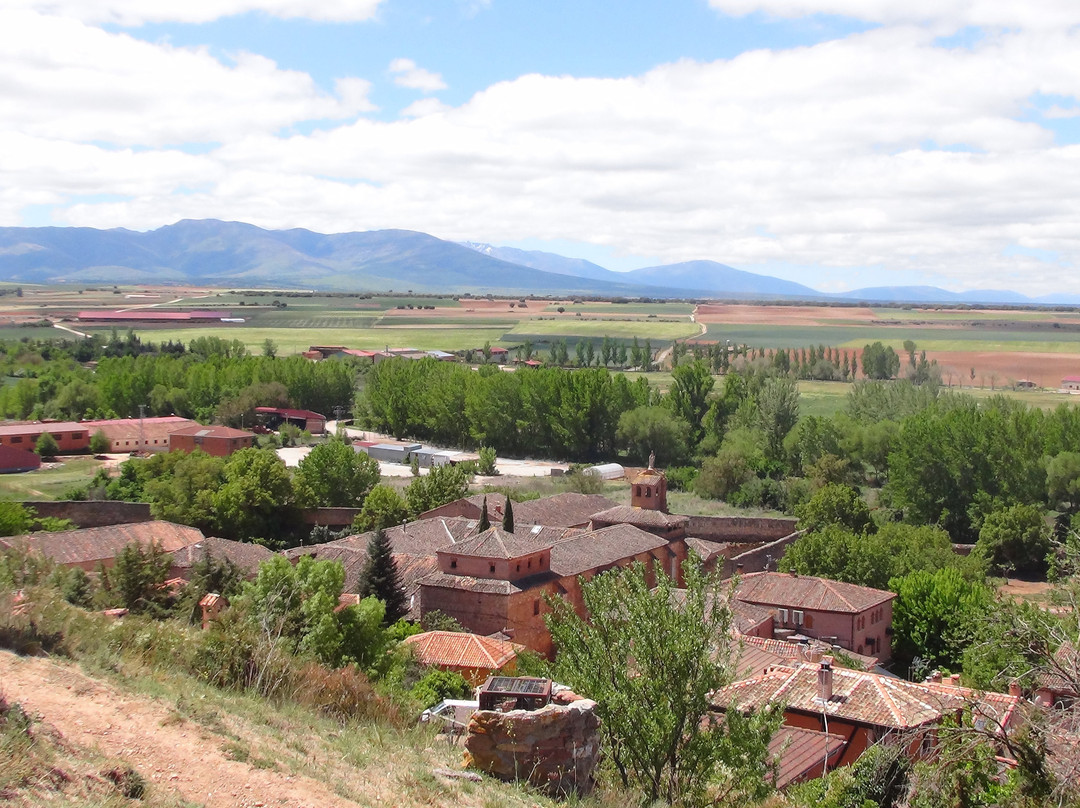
x,y
549,262
720,280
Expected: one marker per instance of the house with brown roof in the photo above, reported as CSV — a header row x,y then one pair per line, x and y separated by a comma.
x,y
857,618
865,708
89,547
245,555
496,582
70,436
138,434
474,657
219,441
568,509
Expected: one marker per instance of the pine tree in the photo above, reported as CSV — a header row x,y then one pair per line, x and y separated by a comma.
x,y
508,517
381,579
484,522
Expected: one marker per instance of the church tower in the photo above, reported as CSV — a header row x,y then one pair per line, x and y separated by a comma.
x,y
648,489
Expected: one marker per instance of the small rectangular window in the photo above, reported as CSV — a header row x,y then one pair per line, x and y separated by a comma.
x,y
797,617
17,439
781,615
536,607
491,568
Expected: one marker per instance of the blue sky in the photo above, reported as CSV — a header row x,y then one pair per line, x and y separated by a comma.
x,y
838,143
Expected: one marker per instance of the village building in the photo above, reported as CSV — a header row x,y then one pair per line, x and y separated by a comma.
x,y
13,460
138,434
246,556
560,510
856,618
473,656
865,708
219,441
88,548
274,417
1071,384
70,436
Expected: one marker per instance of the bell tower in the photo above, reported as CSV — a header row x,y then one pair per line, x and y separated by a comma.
x,y
648,489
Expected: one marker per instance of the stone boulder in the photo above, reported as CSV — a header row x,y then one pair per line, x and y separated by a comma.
x,y
555,748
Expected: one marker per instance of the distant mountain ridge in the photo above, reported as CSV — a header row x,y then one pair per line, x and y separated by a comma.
x,y
237,254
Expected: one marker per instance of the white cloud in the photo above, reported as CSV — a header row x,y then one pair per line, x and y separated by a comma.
x,y
406,73
138,12
67,80
1033,14
829,150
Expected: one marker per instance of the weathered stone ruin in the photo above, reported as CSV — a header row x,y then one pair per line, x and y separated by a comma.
x,y
554,748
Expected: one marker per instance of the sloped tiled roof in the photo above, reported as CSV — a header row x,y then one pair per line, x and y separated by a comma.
x,y
641,517
159,427
862,697
759,653
245,555
800,753
708,550
93,544
601,548
200,431
497,543
422,537
453,649
568,509
467,583
1062,674
807,592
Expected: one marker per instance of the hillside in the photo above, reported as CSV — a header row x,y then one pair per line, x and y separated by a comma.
x,y
193,744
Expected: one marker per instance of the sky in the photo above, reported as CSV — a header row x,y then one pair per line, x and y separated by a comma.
x,y
838,143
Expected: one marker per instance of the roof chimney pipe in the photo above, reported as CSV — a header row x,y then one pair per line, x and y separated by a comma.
x,y
825,678
1014,689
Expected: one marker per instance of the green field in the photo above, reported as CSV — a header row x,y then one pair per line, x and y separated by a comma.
x,y
952,316
573,327
48,483
295,340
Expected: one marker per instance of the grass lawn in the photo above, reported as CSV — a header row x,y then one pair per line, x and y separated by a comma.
x,y
49,483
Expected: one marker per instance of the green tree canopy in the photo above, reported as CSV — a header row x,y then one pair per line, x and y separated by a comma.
x,y
333,474
15,518
835,504
384,507
644,430
46,445
257,487
650,657
1015,539
442,484
99,443
936,616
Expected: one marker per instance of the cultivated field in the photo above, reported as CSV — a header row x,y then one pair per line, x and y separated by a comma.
x,y
1002,345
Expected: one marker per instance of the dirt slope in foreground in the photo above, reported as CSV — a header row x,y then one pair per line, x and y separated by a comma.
x,y
174,754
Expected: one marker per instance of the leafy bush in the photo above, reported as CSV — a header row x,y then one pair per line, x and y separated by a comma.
x,y
438,685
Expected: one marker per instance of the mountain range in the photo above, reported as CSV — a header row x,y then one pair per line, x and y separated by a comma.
x,y
242,255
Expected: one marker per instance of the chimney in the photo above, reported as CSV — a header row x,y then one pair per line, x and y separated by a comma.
x,y
825,679
954,680
934,678
1014,689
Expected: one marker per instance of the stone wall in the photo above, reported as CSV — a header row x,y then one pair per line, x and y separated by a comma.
x,y
329,517
94,513
756,560
743,529
555,749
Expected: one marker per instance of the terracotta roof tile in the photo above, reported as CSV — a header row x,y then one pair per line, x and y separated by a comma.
x,y
245,555
800,753
642,517
867,698
601,548
93,544
460,650
560,510
807,592
497,543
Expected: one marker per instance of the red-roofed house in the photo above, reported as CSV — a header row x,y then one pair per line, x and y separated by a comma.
x,y
474,657
220,441
273,417
88,547
865,707
1071,383
134,434
857,618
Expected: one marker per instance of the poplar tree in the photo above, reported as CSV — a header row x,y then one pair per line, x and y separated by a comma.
x,y
508,517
